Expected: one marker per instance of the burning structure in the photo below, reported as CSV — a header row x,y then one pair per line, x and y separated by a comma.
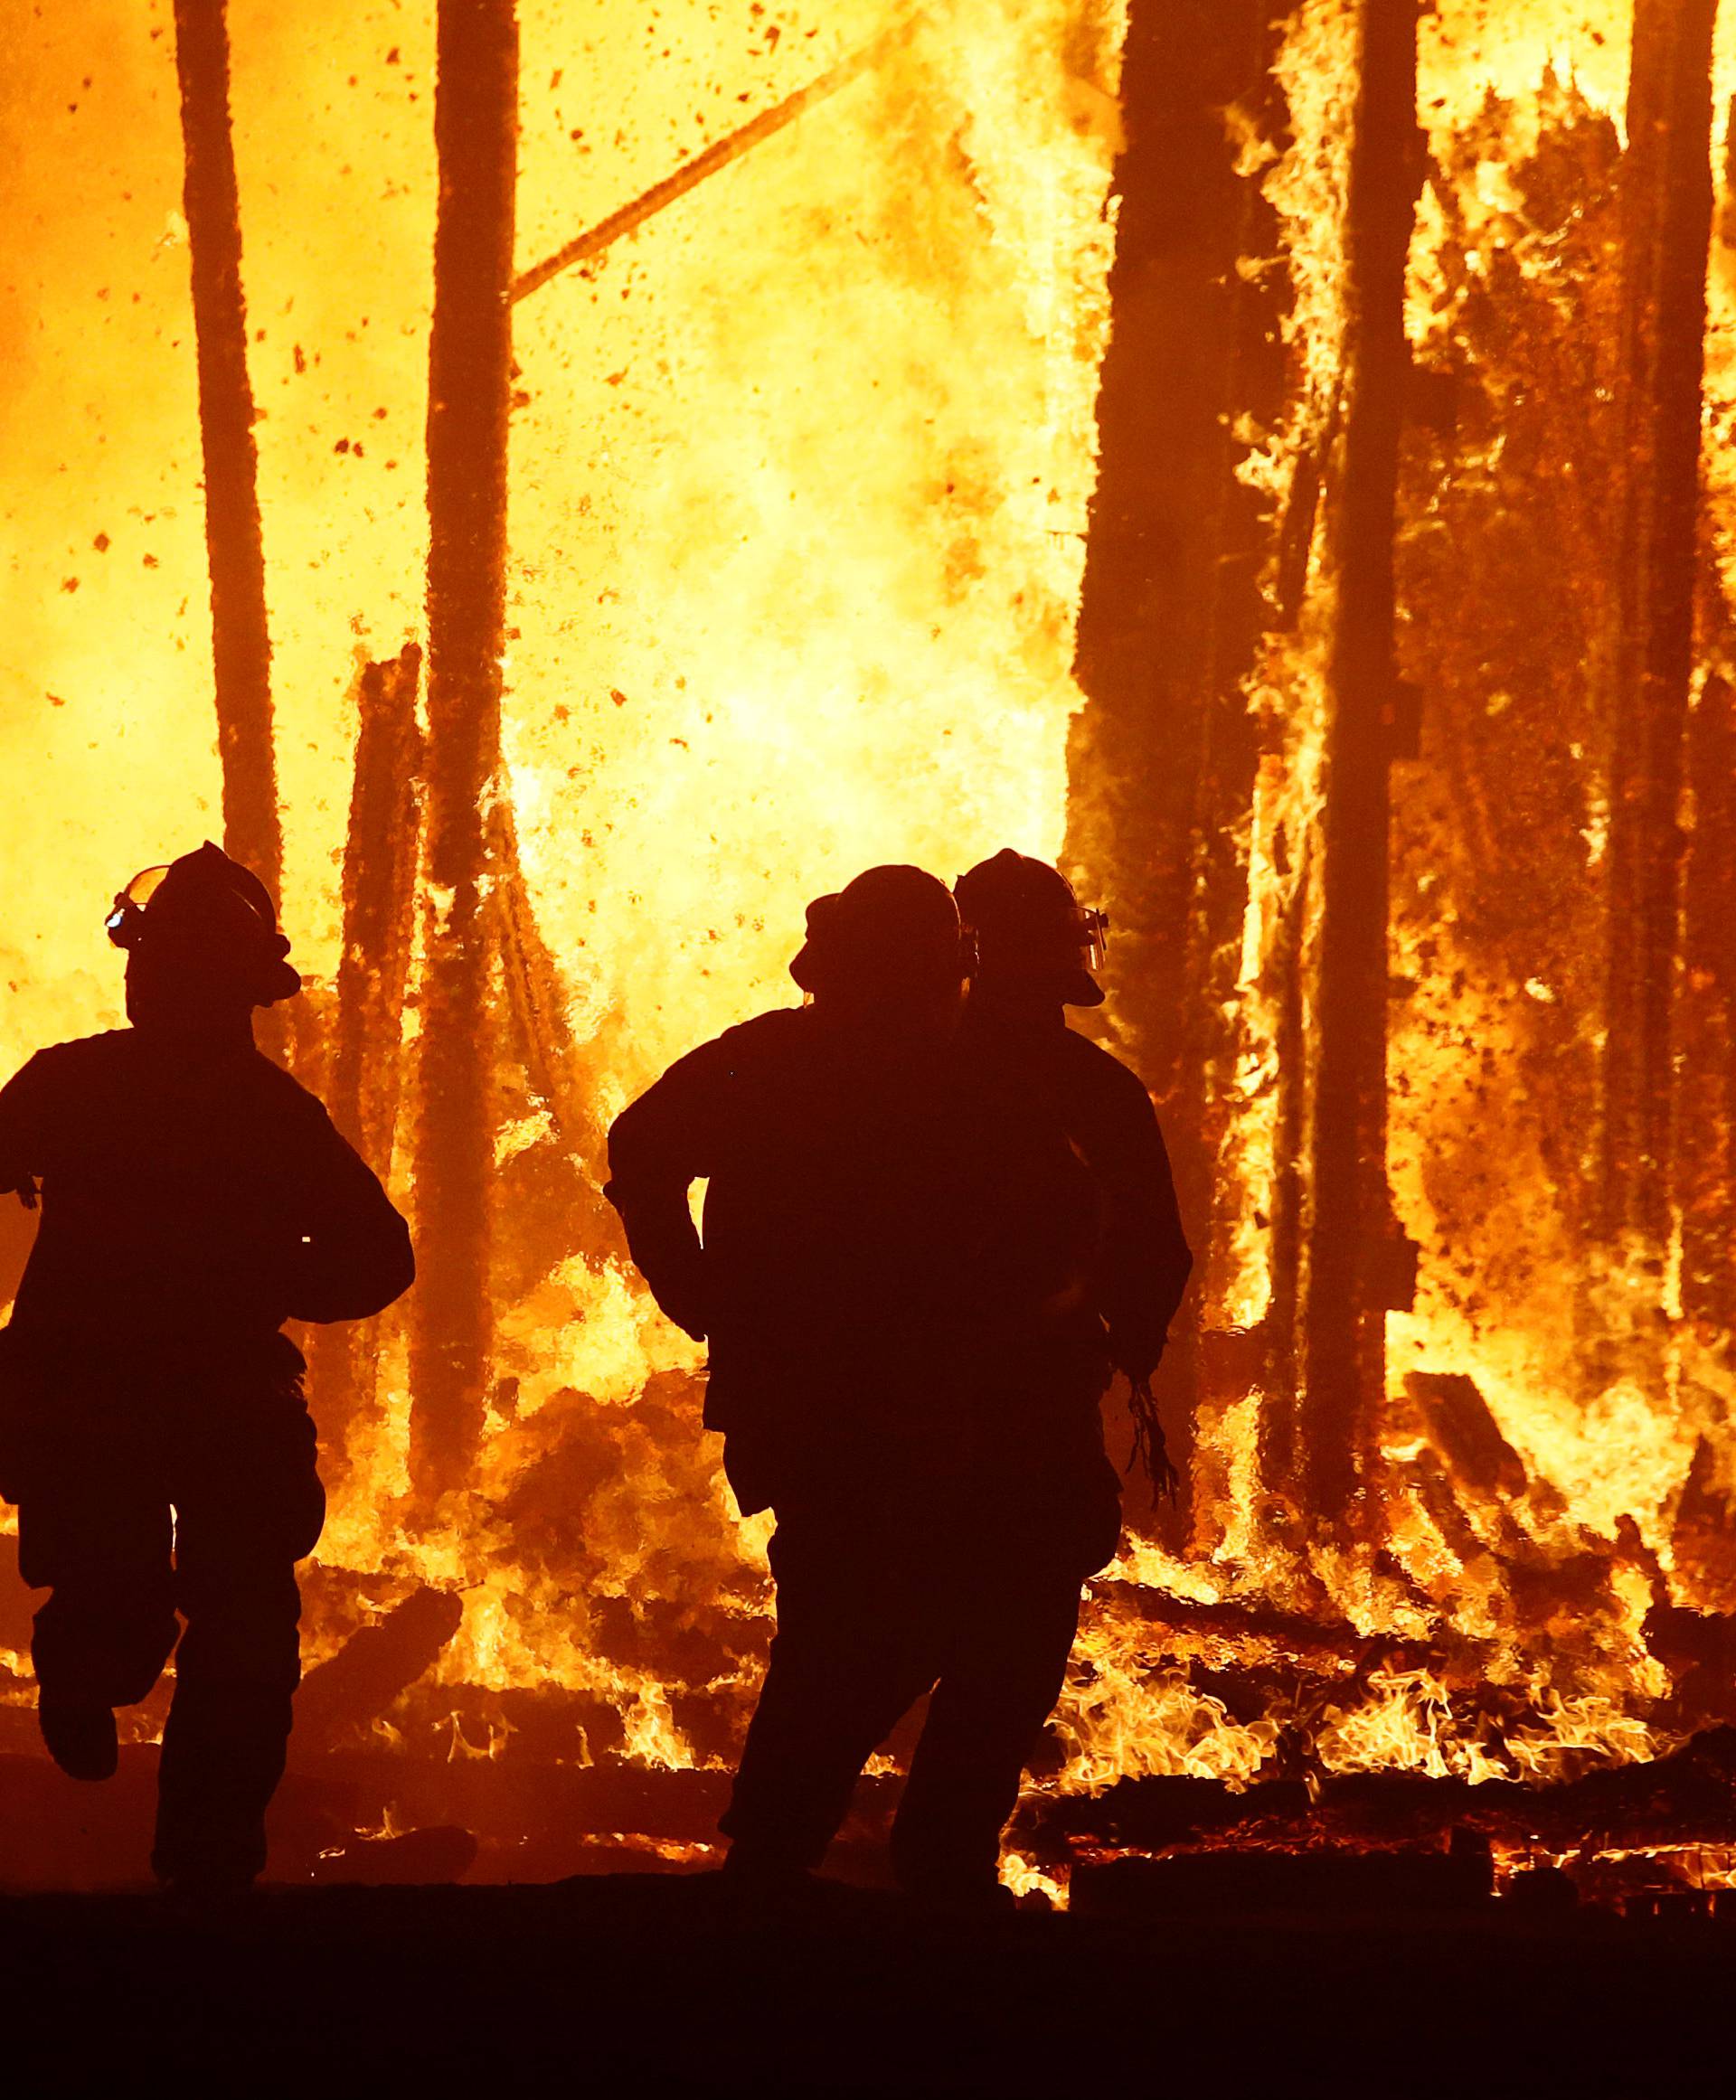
x,y
1269,458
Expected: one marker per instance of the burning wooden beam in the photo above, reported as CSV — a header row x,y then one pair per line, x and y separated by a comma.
x,y
540,1034
1162,757
1705,1179
475,130
1352,1260
240,637
381,856
1667,196
364,1083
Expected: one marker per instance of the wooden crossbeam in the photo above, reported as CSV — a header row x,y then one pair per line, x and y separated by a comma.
x,y
585,246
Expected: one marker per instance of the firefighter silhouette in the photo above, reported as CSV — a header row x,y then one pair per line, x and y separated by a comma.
x,y
1036,949
152,1431
885,1239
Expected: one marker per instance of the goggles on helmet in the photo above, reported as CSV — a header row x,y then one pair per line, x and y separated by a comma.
x,y
125,919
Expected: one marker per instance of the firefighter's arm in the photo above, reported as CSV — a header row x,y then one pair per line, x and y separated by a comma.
x,y
352,1256
658,1147
1147,1259
21,1132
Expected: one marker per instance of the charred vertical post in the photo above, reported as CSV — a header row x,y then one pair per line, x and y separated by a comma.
x,y
363,1085
1666,200
1162,754
240,637
476,129
380,863
1352,1257
1705,1037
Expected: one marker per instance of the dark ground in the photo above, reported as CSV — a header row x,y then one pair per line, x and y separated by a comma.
x,y
1233,1966
624,1982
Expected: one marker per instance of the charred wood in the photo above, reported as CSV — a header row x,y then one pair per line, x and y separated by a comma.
x,y
1666,193
374,1666
363,1083
1155,1814
1454,1418
497,1797
364,1080
1312,1644
547,1198
1703,1535
476,125
1706,1153
241,638
1699,1650
1686,1796
541,1039
410,1859
1163,755
1347,1279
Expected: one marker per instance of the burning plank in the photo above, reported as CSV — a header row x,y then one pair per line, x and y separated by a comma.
x,y
373,1667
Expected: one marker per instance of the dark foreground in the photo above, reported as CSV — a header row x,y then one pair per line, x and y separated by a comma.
x,y
629,1984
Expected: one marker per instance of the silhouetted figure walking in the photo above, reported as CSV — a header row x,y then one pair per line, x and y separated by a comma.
x,y
882,1236
152,1431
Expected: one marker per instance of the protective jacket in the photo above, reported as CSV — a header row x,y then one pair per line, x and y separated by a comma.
x,y
190,1189
882,1248
1030,1068
152,1431
193,1197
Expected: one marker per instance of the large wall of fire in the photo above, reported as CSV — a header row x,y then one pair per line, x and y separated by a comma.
x,y
869,503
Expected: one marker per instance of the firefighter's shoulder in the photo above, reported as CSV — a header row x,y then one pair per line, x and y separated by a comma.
x,y
1091,1069
82,1059
768,1039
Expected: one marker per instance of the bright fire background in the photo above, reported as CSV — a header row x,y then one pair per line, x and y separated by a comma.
x,y
801,485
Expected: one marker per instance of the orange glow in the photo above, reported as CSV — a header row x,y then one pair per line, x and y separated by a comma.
x,y
802,473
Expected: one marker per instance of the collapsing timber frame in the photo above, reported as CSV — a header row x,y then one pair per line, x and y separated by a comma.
x,y
359,1057
1170,630
1337,1262
1344,1263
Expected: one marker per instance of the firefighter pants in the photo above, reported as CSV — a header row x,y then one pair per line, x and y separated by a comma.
x,y
872,1615
202,1511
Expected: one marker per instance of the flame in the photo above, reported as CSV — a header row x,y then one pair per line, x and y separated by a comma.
x,y
801,479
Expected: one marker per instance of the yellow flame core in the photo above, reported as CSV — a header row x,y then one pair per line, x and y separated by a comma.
x,y
801,493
